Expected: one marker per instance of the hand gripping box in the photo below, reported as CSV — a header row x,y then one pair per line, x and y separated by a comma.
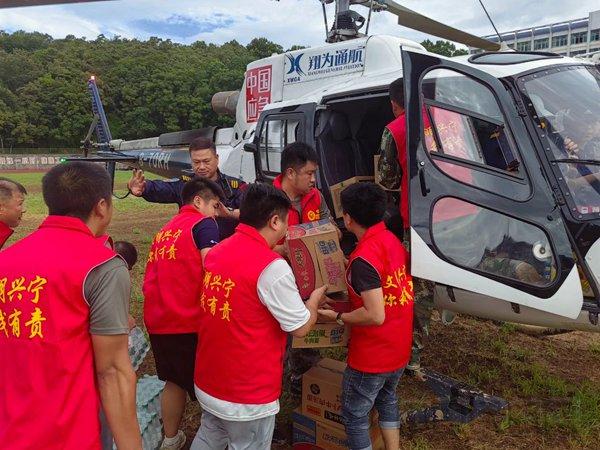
x,y
310,434
316,257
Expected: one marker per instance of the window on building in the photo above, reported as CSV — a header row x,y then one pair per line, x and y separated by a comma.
x,y
524,46
541,44
577,52
595,35
559,41
578,38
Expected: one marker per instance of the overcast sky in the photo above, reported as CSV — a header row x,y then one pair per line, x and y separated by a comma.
x,y
286,22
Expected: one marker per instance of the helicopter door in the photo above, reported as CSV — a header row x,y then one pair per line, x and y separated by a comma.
x,y
482,215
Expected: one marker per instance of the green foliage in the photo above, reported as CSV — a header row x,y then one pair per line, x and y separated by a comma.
x,y
445,48
147,87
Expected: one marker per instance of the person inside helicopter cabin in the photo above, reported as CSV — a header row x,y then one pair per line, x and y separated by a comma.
x,y
205,163
393,175
12,199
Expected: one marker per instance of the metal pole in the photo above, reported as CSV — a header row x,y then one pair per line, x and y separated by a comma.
x,y
491,21
369,18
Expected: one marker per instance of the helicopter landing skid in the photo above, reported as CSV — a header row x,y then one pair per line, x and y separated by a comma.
x,y
459,402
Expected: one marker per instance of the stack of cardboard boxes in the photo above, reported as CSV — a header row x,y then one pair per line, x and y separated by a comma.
x,y
318,424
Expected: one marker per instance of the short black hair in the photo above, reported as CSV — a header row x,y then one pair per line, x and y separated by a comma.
x,y
296,155
261,202
74,188
8,187
365,203
128,252
203,143
203,187
396,91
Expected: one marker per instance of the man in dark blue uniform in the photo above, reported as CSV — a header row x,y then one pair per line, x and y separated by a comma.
x,y
205,163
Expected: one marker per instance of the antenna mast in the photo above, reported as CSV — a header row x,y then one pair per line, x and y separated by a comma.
x,y
491,21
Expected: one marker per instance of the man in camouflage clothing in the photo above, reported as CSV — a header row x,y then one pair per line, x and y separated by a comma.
x,y
392,170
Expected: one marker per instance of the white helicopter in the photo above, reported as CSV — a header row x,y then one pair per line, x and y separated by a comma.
x,y
503,151
505,219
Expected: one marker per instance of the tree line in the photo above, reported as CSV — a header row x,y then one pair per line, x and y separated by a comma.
x,y
147,87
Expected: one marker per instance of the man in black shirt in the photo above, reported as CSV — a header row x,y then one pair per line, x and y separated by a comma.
x,y
205,163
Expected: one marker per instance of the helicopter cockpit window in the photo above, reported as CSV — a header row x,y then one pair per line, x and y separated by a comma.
x,y
490,242
274,136
465,132
565,103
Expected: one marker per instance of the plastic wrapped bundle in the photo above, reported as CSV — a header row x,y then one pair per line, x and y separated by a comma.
x,y
148,394
151,430
138,347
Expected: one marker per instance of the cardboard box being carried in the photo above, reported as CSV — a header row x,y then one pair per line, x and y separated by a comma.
x,y
329,334
336,191
310,434
316,257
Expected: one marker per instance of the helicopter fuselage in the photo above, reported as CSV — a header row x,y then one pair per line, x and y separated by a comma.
x,y
495,221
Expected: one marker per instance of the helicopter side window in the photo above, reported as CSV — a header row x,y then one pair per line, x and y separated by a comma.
x,y
487,241
465,132
274,136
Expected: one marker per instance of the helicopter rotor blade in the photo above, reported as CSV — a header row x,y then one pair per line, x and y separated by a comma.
x,y
19,3
414,20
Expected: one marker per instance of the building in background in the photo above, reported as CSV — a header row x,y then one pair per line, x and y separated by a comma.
x,y
570,38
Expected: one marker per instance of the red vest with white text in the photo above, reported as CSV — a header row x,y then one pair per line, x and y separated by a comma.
x,y
173,280
310,206
240,344
386,347
49,396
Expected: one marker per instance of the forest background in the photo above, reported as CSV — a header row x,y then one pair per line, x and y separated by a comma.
x,y
147,87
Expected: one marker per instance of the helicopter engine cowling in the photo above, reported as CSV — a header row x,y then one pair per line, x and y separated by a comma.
x,y
225,102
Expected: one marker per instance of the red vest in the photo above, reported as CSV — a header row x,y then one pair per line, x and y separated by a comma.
x,y
310,206
173,280
5,233
386,347
240,344
49,397
398,129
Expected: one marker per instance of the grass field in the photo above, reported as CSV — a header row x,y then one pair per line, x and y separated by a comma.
x,y
552,383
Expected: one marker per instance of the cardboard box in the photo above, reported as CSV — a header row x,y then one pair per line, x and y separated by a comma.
x,y
310,434
316,257
330,334
378,176
336,191
322,392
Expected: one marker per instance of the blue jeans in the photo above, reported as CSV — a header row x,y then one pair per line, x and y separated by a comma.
x,y
360,392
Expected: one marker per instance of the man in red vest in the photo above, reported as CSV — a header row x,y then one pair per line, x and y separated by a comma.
x,y
381,293
394,173
249,309
64,300
12,208
172,289
299,164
